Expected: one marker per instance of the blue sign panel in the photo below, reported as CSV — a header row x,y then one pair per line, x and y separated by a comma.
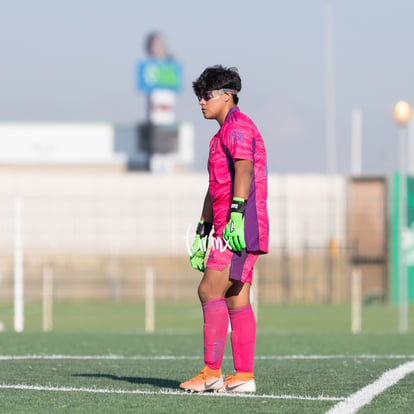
x,y
159,74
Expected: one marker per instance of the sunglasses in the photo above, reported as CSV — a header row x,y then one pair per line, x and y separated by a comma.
x,y
207,95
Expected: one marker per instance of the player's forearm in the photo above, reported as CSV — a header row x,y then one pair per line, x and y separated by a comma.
x,y
242,178
207,213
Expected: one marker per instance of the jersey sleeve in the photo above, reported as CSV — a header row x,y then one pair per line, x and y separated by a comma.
x,y
239,141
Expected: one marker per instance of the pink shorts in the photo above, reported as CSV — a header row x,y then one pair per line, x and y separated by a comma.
x,y
241,263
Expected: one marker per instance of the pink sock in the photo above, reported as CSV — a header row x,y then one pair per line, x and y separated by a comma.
x,y
216,322
243,338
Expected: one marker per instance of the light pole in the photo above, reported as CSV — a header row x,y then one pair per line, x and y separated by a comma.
x,y
402,115
330,135
330,132
356,142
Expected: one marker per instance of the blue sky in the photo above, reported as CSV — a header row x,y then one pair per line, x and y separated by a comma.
x,y
76,61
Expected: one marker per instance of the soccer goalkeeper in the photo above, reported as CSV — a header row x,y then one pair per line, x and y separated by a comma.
x,y
236,206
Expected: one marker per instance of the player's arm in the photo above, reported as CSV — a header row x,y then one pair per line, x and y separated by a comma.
x,y
234,230
199,247
243,173
207,212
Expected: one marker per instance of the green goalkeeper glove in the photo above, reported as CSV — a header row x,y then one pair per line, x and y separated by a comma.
x,y
199,247
234,231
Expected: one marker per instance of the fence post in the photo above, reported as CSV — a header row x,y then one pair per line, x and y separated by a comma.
x,y
254,293
47,299
18,267
149,300
356,300
1,323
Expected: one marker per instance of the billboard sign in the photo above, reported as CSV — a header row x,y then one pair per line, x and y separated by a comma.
x,y
159,74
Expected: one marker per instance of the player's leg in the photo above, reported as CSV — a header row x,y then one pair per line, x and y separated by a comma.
x,y
212,289
243,331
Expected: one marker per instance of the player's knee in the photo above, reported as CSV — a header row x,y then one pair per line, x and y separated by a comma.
x,y
206,292
203,293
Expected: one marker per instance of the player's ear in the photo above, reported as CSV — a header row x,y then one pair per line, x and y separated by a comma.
x,y
227,97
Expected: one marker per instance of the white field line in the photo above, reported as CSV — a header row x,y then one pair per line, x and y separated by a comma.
x,y
161,392
177,358
366,394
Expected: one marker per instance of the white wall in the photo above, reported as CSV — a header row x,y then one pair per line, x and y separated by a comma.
x,y
143,213
307,209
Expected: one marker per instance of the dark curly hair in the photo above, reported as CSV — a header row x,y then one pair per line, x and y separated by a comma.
x,y
218,77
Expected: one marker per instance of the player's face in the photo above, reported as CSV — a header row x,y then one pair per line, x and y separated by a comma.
x,y
214,104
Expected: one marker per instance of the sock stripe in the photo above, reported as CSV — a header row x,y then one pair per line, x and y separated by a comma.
x,y
238,311
214,304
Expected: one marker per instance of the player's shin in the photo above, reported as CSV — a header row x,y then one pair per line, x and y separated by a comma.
x,y
216,321
243,338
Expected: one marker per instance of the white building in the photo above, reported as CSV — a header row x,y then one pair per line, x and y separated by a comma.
x,y
87,146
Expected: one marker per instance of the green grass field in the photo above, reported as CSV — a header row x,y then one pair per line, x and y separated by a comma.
x,y
98,359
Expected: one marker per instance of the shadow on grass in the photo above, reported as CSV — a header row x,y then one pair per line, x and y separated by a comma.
x,y
157,382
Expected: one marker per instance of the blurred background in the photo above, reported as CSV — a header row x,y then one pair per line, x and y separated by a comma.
x,y
103,149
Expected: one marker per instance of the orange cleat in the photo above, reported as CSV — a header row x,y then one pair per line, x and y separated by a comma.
x,y
207,380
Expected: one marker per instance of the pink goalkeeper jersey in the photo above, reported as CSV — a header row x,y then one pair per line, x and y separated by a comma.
x,y
238,138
